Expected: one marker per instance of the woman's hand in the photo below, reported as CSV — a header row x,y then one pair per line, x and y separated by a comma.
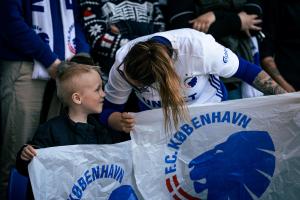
x,y
121,121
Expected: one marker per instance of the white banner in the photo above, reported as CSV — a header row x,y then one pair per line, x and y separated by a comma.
x,y
241,149
83,172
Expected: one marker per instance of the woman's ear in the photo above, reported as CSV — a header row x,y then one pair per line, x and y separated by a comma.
x,y
76,98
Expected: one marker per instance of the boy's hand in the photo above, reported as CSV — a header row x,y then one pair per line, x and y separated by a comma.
x,y
28,153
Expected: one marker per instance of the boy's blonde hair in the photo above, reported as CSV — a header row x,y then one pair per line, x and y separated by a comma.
x,y
67,79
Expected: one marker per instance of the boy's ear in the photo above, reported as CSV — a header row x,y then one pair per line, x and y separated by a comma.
x,y
76,98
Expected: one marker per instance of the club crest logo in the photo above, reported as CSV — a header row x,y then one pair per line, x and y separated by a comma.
x,y
241,167
71,39
190,82
124,192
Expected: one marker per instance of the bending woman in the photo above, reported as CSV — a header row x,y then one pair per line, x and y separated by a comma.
x,y
171,69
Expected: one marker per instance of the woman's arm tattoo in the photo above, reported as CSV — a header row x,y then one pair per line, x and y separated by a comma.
x,y
264,83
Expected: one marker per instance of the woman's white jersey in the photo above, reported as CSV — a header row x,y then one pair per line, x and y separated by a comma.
x,y
200,62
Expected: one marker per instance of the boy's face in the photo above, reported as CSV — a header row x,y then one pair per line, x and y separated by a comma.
x,y
91,93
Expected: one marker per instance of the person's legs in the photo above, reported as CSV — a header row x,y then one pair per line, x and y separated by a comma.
x,y
55,107
47,98
21,100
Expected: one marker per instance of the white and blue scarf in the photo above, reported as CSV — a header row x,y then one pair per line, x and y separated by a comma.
x,y
247,90
55,25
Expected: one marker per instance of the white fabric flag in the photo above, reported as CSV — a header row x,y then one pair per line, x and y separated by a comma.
x,y
83,172
241,149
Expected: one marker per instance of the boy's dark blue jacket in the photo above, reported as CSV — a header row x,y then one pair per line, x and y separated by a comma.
x,y
62,131
19,42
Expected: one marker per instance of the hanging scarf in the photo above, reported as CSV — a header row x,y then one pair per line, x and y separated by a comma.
x,y
247,90
55,26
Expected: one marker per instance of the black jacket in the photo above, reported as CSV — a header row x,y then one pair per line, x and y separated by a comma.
x,y
61,131
226,12
133,18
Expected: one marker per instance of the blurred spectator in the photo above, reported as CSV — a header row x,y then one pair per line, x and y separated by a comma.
x,y
280,49
35,36
231,23
111,24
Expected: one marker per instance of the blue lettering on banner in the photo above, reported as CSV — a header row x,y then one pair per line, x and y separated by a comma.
x,y
76,191
205,119
87,177
35,7
216,117
82,183
104,171
90,175
96,173
111,172
172,161
199,121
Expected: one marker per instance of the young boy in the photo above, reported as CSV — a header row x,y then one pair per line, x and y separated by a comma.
x,y
79,87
